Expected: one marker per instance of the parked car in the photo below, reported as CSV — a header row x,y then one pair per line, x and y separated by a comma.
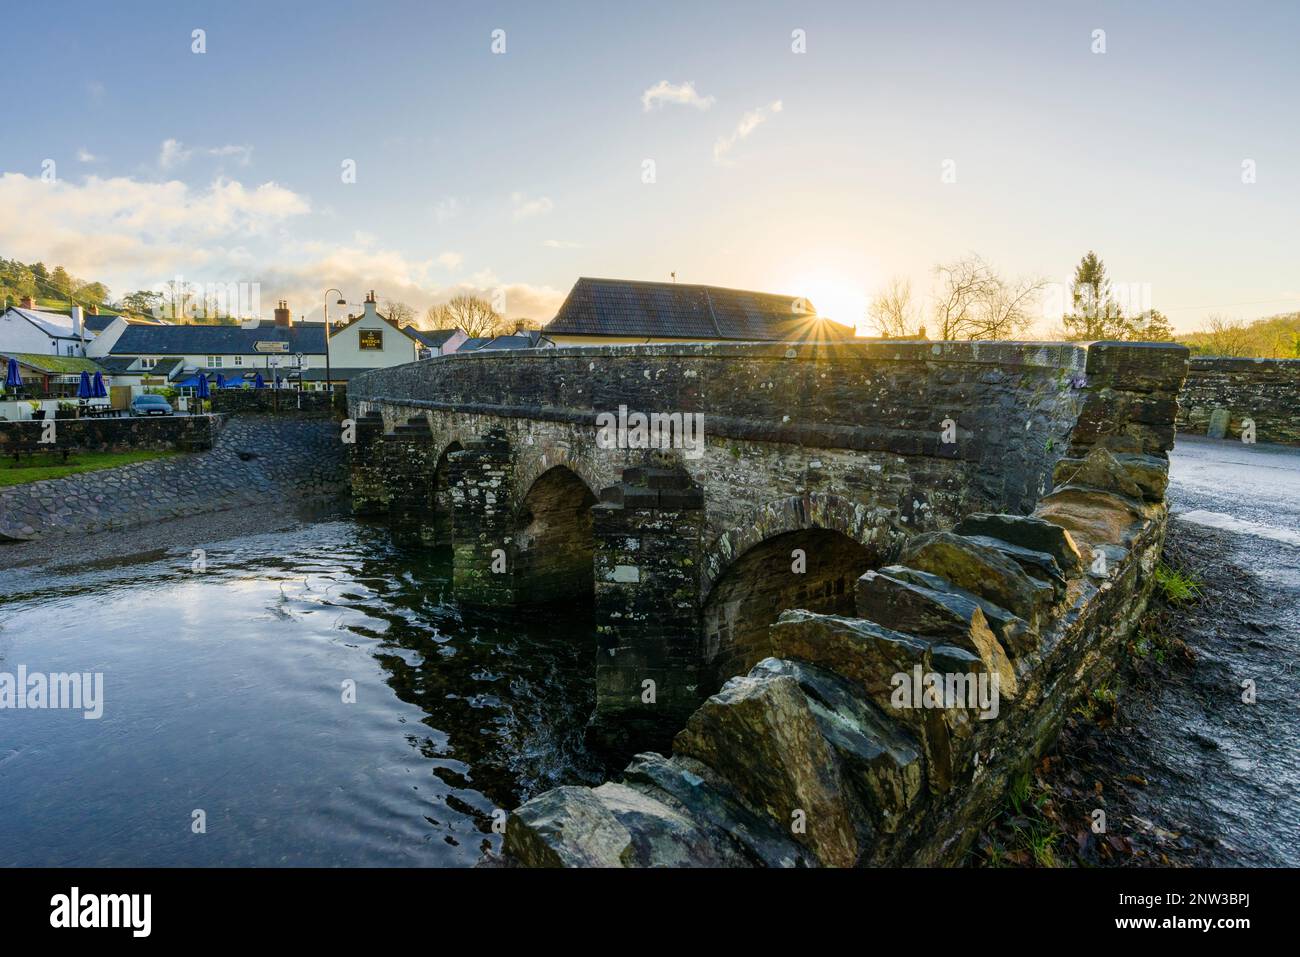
x,y
149,404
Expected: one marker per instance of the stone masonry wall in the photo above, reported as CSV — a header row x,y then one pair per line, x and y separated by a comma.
x,y
185,433
1266,391
253,462
270,402
865,739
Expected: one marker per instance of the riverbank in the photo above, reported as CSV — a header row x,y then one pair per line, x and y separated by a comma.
x,y
254,462
140,543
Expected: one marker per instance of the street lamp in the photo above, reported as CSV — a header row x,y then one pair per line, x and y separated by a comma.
x,y
329,385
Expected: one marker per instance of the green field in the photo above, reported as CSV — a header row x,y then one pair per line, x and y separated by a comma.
x,y
50,465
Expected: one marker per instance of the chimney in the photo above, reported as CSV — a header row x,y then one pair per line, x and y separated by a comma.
x,y
283,320
76,321
27,303
520,326
372,310
92,309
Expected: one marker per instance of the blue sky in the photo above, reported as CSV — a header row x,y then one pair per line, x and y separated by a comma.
x,y
815,174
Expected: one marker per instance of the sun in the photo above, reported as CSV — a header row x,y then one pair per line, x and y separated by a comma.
x,y
833,297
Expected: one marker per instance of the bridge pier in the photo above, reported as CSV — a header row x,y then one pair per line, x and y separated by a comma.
x,y
408,477
369,493
480,478
650,674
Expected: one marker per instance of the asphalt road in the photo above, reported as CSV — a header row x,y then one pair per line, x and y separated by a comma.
x,y
1222,772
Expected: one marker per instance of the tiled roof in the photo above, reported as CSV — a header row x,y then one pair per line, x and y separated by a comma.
x,y
474,344
665,310
143,339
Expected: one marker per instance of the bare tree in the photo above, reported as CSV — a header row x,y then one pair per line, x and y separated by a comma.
x,y
974,302
398,313
1227,337
1009,307
892,312
964,285
475,316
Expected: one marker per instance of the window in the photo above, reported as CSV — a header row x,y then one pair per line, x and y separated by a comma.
x,y
214,362
239,360
370,339
148,362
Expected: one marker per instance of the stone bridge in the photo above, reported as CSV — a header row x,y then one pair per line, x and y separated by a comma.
x,y
816,464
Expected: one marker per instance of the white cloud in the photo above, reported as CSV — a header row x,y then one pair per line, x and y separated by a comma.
x,y
683,94
86,156
172,154
526,208
132,234
242,154
451,260
560,244
748,123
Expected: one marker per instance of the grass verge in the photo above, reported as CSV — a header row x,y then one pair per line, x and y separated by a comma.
x,y
50,465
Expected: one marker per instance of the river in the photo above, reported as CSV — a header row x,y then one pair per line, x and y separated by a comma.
x,y
226,705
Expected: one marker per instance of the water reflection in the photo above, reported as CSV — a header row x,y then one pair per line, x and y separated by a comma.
x,y
225,694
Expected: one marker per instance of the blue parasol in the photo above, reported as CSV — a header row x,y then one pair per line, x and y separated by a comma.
x,y
13,380
97,385
221,381
203,392
258,381
84,390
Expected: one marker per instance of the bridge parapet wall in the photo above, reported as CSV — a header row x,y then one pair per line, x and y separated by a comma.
x,y
818,757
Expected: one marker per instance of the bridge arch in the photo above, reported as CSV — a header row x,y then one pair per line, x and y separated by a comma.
x,y
798,552
554,545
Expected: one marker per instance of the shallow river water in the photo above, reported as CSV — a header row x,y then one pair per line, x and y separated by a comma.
x,y
224,693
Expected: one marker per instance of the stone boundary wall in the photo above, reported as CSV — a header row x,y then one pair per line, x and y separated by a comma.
x,y
262,463
265,402
822,756
181,433
1266,391
889,397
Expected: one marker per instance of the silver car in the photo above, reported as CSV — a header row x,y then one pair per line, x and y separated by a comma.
x,y
150,404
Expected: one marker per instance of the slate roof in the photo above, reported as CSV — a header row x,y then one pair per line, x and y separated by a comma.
x,y
624,307
146,339
55,324
474,344
433,338
117,364
527,340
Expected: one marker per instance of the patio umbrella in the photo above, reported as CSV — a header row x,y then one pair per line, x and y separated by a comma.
x,y
13,380
203,392
258,381
221,381
97,384
84,390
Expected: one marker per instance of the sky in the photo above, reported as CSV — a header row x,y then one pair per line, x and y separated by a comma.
x,y
641,140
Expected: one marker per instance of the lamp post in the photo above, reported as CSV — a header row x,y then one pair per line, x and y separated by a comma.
x,y
329,385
